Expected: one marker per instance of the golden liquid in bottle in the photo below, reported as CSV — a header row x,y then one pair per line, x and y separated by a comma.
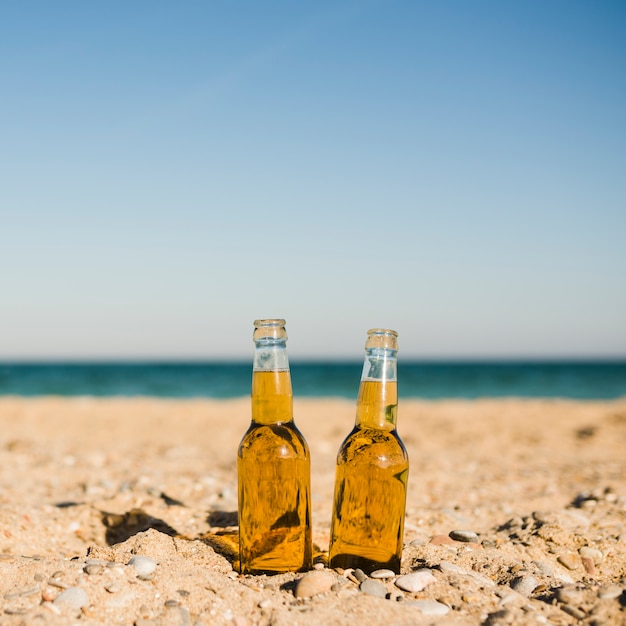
x,y
274,483
370,487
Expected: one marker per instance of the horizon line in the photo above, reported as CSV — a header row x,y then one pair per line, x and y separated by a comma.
x,y
162,360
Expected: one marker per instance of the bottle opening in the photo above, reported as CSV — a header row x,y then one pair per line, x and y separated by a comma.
x,y
270,330
382,338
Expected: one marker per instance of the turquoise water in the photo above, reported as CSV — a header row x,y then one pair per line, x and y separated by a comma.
x,y
542,379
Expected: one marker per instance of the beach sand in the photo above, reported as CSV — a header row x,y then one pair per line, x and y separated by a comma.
x,y
86,484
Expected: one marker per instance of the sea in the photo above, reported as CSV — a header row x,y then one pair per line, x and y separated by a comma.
x,y
581,380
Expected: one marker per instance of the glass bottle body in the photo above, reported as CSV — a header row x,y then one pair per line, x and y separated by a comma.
x,y
273,467
371,476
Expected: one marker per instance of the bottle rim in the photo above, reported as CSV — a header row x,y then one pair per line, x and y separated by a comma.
x,y
269,322
270,331
381,339
382,331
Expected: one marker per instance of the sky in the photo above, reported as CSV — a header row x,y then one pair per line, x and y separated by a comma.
x,y
172,171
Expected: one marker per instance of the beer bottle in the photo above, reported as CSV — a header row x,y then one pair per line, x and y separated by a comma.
x,y
273,466
372,469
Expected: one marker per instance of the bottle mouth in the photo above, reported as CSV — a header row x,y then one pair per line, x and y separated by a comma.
x,y
269,329
382,338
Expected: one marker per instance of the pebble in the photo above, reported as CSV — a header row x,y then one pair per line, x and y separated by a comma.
x,y
544,568
93,569
452,568
610,592
178,616
565,578
360,575
416,581
143,565
314,583
430,607
121,599
591,553
442,540
511,597
382,573
420,541
373,588
570,595
525,585
466,536
589,566
573,611
568,560
74,597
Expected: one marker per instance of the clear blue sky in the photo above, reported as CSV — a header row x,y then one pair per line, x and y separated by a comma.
x,y
170,171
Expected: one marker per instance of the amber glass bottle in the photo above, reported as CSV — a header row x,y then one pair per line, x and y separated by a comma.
x,y
273,466
372,469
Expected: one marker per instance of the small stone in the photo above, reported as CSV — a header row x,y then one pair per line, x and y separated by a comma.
x,y
47,595
508,598
178,616
451,568
373,588
573,611
568,560
360,575
314,583
143,565
56,582
121,598
591,553
430,607
570,595
416,581
74,597
442,540
525,585
610,592
564,577
589,565
382,573
544,568
467,536
113,587
93,569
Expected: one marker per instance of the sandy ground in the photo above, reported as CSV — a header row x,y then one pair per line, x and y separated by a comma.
x,y
88,484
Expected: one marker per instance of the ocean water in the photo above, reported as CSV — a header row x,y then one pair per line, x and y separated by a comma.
x,y
428,380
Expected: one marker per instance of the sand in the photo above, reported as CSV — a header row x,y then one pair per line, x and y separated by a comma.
x,y
86,484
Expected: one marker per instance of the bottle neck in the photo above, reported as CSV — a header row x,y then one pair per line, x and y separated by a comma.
x,y
377,404
272,396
